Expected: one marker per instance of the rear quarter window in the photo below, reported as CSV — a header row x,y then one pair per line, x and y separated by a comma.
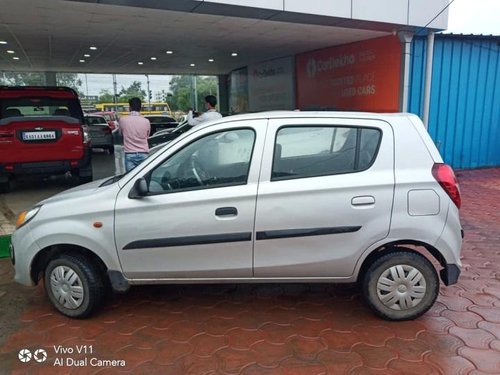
x,y
309,151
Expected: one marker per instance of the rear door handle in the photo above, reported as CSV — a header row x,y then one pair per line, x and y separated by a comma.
x,y
364,200
226,211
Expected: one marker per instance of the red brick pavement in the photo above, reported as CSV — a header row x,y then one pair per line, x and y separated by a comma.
x,y
288,329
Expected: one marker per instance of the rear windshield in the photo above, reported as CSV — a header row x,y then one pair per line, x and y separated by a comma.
x,y
95,120
40,107
160,119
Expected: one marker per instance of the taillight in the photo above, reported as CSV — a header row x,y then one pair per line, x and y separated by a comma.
x,y
445,176
86,136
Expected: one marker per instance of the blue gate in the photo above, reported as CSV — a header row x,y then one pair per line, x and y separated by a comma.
x,y
464,119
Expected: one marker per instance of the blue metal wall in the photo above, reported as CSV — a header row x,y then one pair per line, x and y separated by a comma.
x,y
464,119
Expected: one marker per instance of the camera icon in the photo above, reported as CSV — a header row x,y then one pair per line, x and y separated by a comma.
x,y
25,355
40,355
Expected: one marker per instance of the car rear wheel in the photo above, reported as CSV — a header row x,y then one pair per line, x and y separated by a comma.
x,y
6,185
401,285
74,285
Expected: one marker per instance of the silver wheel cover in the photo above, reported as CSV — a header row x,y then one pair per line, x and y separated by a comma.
x,y
67,287
401,287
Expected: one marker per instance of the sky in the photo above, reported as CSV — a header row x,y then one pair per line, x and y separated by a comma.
x,y
474,17
92,84
464,17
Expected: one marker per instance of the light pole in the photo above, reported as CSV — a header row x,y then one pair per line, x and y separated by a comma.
x,y
114,89
149,92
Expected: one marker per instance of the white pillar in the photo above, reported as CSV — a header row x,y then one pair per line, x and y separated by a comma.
x,y
195,89
405,37
428,78
50,79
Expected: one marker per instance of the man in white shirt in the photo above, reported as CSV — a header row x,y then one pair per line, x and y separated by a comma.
x,y
209,115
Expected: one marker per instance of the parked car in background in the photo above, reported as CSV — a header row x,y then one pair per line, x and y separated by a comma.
x,y
159,122
100,133
264,197
42,132
167,135
111,117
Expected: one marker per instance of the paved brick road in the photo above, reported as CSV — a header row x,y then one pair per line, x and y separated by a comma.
x,y
287,329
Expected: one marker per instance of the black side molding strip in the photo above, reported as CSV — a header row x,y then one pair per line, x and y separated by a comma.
x,y
189,240
305,232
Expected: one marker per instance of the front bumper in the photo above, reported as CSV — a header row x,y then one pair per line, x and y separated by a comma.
x,y
23,249
12,253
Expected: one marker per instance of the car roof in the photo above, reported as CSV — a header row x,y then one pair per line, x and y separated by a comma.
x,y
50,91
92,115
303,114
309,114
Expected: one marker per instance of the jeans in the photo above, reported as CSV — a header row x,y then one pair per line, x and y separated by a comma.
x,y
133,159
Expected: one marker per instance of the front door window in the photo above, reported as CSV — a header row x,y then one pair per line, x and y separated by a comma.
x,y
216,160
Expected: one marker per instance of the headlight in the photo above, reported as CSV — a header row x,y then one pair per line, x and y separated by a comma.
x,y
25,216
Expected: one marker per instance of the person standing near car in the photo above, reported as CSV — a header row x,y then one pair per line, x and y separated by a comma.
x,y
135,130
210,114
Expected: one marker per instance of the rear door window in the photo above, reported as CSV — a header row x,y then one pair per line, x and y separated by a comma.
x,y
308,151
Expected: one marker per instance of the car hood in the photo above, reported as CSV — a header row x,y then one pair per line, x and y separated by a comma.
x,y
79,191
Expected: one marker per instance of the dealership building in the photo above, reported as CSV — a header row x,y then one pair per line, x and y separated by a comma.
x,y
381,56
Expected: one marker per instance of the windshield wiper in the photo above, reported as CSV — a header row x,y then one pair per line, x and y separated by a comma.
x,y
112,180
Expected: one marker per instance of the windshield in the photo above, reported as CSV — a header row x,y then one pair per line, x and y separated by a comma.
x,y
118,177
40,107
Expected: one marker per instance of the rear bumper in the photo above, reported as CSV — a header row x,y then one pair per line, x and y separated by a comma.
x,y
450,274
44,167
102,141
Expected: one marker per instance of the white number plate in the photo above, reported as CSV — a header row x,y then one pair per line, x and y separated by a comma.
x,y
38,136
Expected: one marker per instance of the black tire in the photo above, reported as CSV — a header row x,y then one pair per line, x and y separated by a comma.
x,y
111,149
408,260
6,186
83,175
92,282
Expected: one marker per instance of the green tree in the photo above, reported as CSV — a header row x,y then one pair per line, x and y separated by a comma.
x,y
69,80
182,88
105,96
135,90
38,79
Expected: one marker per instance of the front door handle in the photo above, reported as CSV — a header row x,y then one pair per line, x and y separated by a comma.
x,y
365,200
226,211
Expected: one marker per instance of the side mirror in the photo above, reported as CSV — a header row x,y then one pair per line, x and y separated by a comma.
x,y
140,189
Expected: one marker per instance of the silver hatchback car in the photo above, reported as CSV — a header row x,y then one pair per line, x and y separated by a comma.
x,y
266,197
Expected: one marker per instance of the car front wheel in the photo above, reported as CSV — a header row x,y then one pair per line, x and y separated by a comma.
x,y
74,285
401,285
